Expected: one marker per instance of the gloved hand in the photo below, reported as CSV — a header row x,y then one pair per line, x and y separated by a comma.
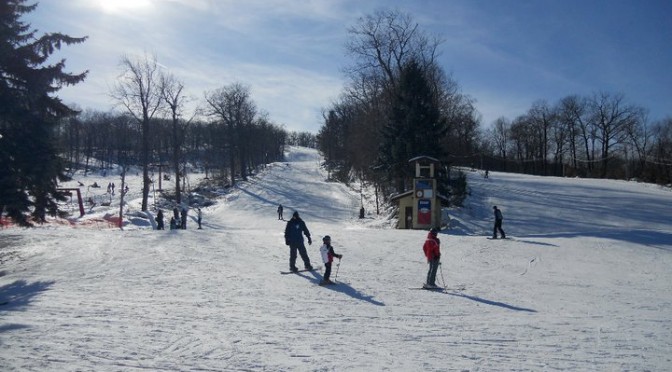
x,y
309,241
339,256
286,242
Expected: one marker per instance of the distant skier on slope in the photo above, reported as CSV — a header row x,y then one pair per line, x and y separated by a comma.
x,y
432,249
280,212
328,255
294,232
498,223
183,219
159,220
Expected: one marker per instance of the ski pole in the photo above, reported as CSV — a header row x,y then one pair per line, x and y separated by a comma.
x,y
442,278
338,266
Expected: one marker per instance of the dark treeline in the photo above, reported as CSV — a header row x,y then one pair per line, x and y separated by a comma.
x,y
98,140
304,139
400,104
600,136
228,141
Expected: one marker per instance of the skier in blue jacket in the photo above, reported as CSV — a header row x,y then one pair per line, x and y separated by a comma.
x,y
294,232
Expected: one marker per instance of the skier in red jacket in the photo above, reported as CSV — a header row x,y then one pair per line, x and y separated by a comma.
x,y
433,253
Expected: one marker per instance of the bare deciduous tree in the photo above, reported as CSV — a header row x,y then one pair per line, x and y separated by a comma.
x,y
611,117
138,90
572,115
383,42
233,107
175,99
500,135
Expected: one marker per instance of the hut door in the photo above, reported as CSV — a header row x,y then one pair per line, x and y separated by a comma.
x,y
409,218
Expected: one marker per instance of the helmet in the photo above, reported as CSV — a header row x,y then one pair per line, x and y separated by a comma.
x,y
326,238
434,231
295,214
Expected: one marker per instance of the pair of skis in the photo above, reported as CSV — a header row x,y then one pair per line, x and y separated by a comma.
x,y
321,284
456,288
299,271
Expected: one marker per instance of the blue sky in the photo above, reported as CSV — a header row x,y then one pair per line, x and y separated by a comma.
x,y
506,54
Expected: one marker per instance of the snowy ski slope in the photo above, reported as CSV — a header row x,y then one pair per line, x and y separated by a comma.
x,y
583,285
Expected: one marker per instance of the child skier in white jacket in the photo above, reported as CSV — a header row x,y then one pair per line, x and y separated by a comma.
x,y
328,255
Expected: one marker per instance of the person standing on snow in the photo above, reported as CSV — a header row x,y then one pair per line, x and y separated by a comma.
x,y
328,255
159,220
433,254
498,223
183,219
294,232
199,217
176,217
280,212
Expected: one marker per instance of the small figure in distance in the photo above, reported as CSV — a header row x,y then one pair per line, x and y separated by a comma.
x,y
159,220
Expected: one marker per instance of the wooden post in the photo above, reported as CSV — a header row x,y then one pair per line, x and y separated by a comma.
x,y
121,202
160,166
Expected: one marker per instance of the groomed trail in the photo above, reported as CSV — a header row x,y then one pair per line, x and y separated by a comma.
x,y
583,285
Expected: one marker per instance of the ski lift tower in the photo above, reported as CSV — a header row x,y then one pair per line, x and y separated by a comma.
x,y
80,203
160,166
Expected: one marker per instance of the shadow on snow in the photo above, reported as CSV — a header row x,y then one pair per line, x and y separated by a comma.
x,y
18,295
650,238
490,302
343,288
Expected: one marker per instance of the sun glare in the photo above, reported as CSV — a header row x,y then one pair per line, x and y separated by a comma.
x,y
118,6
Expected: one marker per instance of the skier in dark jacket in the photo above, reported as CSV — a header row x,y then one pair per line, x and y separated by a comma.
x,y
294,232
159,220
176,214
183,220
498,223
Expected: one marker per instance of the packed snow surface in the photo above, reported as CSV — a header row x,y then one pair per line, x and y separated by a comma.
x,y
584,283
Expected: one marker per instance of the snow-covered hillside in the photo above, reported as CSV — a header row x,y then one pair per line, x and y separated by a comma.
x,y
583,285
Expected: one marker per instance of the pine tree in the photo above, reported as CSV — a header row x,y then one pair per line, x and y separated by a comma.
x,y
415,126
29,162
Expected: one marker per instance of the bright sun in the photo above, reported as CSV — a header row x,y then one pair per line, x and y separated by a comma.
x,y
116,6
